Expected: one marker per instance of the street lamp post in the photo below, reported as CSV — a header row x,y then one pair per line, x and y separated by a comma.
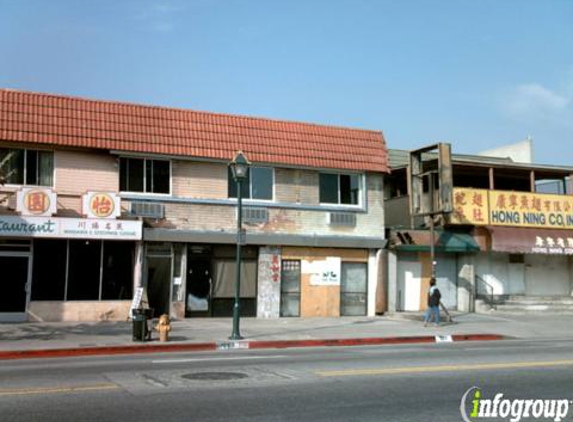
x,y
240,171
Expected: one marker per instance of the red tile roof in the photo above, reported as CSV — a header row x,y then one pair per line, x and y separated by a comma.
x,y
68,121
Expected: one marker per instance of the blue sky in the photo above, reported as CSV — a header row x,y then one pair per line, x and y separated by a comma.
x,y
478,74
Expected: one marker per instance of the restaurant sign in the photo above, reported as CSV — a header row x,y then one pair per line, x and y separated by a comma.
x,y
70,228
36,202
512,209
101,205
553,245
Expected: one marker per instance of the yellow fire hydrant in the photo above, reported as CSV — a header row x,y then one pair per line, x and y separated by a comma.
x,y
164,326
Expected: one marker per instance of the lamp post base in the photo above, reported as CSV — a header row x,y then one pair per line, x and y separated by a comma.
x,y
236,337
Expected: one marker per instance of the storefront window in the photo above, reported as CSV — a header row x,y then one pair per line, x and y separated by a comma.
x,y
84,270
75,270
225,276
224,287
117,273
49,269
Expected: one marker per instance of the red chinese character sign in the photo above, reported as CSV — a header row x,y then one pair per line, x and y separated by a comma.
x,y
37,202
101,205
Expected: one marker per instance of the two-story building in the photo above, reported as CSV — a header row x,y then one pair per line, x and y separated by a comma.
x,y
507,244
99,199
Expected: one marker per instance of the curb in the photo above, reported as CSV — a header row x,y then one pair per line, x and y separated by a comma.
x,y
236,345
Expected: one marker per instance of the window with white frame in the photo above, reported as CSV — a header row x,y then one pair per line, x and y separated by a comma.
x,y
144,175
259,184
341,189
27,166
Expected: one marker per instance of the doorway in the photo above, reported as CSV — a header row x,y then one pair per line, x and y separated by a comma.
x,y
290,288
14,297
199,281
353,289
158,284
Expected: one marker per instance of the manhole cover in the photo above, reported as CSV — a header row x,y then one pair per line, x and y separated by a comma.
x,y
215,376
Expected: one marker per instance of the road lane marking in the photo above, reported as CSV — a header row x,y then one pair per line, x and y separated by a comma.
x,y
186,360
444,368
57,390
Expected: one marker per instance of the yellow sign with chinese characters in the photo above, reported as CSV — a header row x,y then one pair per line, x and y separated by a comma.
x,y
471,206
514,209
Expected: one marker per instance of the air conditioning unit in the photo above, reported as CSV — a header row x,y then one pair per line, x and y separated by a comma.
x,y
343,219
147,209
255,215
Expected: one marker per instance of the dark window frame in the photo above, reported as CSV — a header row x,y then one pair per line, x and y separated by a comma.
x,y
30,167
345,193
248,188
148,181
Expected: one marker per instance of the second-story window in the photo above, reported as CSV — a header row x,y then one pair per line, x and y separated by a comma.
x,y
343,189
144,175
27,166
259,184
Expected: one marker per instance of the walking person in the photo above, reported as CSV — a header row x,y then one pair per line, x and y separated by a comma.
x,y
434,297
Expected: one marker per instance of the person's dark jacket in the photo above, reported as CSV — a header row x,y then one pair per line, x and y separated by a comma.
x,y
434,296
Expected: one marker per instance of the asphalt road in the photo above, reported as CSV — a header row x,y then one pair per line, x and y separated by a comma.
x,y
388,383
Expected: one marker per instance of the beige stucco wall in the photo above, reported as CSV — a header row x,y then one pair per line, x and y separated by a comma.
x,y
296,186
79,171
199,180
46,311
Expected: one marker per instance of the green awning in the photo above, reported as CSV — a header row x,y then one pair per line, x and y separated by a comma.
x,y
446,242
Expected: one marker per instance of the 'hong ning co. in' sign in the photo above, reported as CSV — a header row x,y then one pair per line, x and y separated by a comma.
x,y
508,208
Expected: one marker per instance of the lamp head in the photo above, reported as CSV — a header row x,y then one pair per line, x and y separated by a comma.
x,y
240,166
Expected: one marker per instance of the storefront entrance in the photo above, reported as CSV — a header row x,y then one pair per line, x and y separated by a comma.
x,y
14,270
198,286
211,277
158,277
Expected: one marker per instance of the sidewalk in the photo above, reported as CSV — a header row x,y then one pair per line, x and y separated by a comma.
x,y
70,339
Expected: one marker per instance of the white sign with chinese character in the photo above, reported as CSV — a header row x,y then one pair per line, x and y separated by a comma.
x,y
326,273
101,205
38,202
72,228
554,245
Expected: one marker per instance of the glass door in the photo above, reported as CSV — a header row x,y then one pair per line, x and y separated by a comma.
x,y
290,288
353,289
198,287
